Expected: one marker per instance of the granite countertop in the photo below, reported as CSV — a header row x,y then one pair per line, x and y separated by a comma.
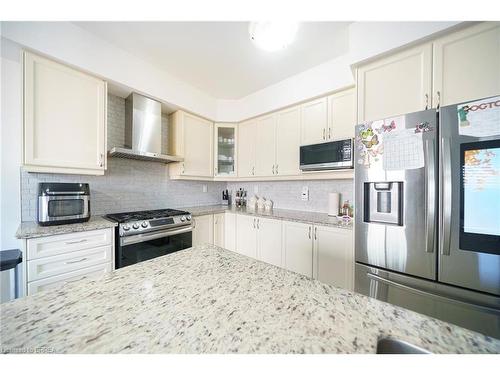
x,y
209,300
30,229
307,217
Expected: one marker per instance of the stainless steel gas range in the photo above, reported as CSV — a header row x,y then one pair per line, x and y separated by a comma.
x,y
143,235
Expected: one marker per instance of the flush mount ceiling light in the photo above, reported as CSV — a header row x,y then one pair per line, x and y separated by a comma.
x,y
272,36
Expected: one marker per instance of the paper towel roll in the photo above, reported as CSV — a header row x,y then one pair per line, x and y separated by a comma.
x,y
333,204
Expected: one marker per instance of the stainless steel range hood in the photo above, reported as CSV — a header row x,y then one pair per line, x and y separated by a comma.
x,y
142,131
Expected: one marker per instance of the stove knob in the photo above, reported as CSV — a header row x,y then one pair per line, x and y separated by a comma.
x,y
183,218
188,217
135,226
144,224
126,227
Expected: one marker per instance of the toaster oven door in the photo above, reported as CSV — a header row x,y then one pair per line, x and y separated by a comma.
x,y
63,208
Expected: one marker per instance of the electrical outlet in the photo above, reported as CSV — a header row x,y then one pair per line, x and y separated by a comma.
x,y
305,193
205,188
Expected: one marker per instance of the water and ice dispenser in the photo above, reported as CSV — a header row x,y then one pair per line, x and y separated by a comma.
x,y
383,202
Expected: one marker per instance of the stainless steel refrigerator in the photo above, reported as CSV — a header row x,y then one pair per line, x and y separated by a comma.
x,y
427,219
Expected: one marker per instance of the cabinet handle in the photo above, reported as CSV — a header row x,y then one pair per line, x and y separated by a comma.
x,y
329,133
253,170
273,168
77,241
76,261
254,223
193,222
276,168
426,102
74,281
258,222
438,100
324,133
309,232
316,233
101,160
183,168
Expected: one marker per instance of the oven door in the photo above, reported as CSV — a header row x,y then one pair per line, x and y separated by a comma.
x,y
141,247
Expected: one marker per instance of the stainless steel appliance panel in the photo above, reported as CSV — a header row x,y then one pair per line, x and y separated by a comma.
x,y
466,268
408,246
473,310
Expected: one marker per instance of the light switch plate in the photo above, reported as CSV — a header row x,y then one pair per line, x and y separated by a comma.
x,y
305,193
205,188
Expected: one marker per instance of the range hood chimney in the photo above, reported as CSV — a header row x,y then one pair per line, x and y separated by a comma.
x,y
142,131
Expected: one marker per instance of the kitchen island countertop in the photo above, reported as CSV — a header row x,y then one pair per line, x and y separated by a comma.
x,y
209,300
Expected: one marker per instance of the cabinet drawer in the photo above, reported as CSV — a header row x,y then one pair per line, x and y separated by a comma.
x,y
94,272
58,264
67,243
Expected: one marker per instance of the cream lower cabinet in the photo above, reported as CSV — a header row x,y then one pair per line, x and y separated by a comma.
x,y
397,84
259,238
466,64
230,231
333,256
323,253
191,137
219,229
298,247
203,231
59,260
64,119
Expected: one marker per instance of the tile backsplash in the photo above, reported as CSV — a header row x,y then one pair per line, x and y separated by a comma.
x,y
130,185
287,194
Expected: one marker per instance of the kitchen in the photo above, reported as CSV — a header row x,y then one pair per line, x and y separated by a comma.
x,y
327,219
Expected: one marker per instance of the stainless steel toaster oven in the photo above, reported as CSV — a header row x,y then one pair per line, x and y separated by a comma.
x,y
63,203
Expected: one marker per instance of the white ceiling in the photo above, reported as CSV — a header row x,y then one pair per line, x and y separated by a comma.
x,y
218,57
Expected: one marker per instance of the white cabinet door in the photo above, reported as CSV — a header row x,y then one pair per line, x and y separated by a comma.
x,y
398,84
219,230
247,134
230,231
64,118
288,142
269,241
225,147
342,114
334,257
467,64
298,247
314,121
265,155
246,235
197,146
203,231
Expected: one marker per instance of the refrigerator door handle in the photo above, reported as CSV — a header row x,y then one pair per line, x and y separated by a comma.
x,y
432,295
445,204
430,195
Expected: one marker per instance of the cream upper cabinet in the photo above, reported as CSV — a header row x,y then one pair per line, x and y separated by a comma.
x,y
287,142
203,231
265,155
467,64
225,149
64,118
333,260
191,137
397,84
342,114
269,241
219,229
314,121
246,235
298,247
247,136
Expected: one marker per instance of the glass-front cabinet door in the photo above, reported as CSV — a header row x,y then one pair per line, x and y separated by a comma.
x,y
225,149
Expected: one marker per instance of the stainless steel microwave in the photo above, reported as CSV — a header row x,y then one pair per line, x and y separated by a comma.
x,y
327,156
63,203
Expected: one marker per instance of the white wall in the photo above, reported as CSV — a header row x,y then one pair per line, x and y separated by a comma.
x,y
10,144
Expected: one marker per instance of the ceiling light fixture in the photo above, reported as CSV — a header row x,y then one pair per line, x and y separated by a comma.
x,y
273,36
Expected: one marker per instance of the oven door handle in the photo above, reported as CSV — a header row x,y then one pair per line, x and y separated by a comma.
x,y
137,238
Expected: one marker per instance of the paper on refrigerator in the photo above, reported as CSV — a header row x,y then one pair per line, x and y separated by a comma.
x,y
403,149
480,118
